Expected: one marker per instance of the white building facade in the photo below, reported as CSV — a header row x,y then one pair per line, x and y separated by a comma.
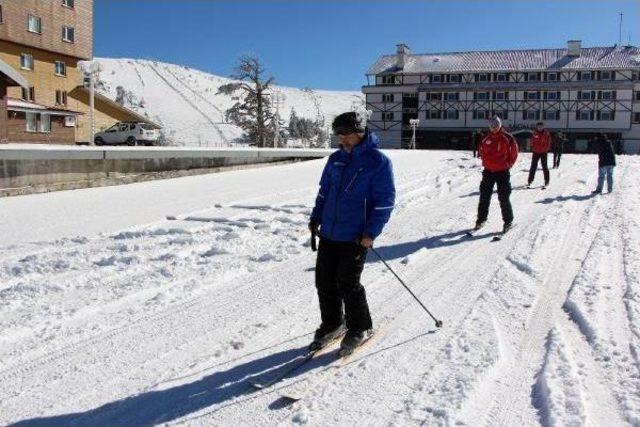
x,y
579,91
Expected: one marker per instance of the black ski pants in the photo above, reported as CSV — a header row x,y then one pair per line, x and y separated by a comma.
x,y
542,157
489,180
338,269
556,158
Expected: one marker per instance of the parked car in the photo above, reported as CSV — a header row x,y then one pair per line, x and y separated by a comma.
x,y
127,133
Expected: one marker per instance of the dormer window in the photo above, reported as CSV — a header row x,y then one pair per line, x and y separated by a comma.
x,y
436,78
482,78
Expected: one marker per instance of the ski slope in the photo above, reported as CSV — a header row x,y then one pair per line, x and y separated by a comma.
x,y
112,314
185,100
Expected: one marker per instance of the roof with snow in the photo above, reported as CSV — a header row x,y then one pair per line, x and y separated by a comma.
x,y
618,57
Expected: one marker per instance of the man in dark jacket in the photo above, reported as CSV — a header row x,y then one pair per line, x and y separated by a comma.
x,y
606,162
499,152
476,140
355,201
540,144
558,148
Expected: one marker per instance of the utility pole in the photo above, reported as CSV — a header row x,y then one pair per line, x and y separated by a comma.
x,y
414,123
277,98
620,31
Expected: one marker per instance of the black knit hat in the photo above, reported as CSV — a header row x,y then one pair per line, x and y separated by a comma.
x,y
351,122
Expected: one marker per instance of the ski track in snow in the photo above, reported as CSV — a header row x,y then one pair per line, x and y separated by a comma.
x,y
167,321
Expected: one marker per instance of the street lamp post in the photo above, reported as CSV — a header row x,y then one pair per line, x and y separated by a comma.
x,y
413,123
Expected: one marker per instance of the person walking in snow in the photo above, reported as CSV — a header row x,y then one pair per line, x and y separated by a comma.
x,y
499,152
540,144
606,162
354,202
558,148
477,139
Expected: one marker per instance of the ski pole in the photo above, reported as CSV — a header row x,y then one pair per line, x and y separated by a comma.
x,y
438,322
314,248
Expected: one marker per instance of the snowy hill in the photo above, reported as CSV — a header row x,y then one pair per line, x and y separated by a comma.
x,y
110,314
184,100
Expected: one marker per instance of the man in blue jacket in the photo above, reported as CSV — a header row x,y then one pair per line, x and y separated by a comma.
x,y
355,200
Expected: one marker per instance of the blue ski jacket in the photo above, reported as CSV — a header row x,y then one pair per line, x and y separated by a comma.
x,y
357,192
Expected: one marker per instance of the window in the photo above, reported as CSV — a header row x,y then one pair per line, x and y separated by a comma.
x,y
584,75
29,95
434,96
480,114
481,96
387,116
26,61
636,117
585,96
45,123
607,115
68,3
583,115
531,115
454,78
607,94
500,96
482,77
61,68
503,114
502,77
552,96
638,96
433,114
436,78
605,75
553,77
387,97
551,115
34,24
31,121
452,96
532,95
61,97
452,114
533,77
68,34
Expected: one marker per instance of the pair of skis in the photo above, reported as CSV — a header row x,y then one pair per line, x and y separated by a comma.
x,y
497,238
299,390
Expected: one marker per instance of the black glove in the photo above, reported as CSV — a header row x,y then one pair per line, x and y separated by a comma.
x,y
313,227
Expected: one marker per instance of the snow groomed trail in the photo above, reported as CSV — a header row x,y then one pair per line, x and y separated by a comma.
x,y
167,321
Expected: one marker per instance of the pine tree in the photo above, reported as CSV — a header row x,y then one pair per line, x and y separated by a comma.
x,y
252,112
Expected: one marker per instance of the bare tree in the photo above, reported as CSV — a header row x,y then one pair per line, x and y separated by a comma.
x,y
252,112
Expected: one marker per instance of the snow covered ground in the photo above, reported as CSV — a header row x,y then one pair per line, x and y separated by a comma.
x,y
112,314
184,101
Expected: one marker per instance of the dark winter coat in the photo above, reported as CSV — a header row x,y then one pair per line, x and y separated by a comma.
x,y
606,156
357,192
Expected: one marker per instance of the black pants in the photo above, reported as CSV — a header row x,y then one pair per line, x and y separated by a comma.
x,y
556,159
542,157
338,269
489,180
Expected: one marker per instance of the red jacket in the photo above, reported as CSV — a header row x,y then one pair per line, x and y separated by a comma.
x,y
499,151
540,142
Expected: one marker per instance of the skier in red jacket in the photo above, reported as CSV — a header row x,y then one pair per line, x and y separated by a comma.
x,y
540,144
499,152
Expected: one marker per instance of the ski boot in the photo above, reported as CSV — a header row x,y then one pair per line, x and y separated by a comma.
x,y
352,340
324,336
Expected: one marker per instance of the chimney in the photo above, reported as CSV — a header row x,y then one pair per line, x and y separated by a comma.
x,y
402,52
574,47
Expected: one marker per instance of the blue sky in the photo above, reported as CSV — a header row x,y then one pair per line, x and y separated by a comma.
x,y
330,44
